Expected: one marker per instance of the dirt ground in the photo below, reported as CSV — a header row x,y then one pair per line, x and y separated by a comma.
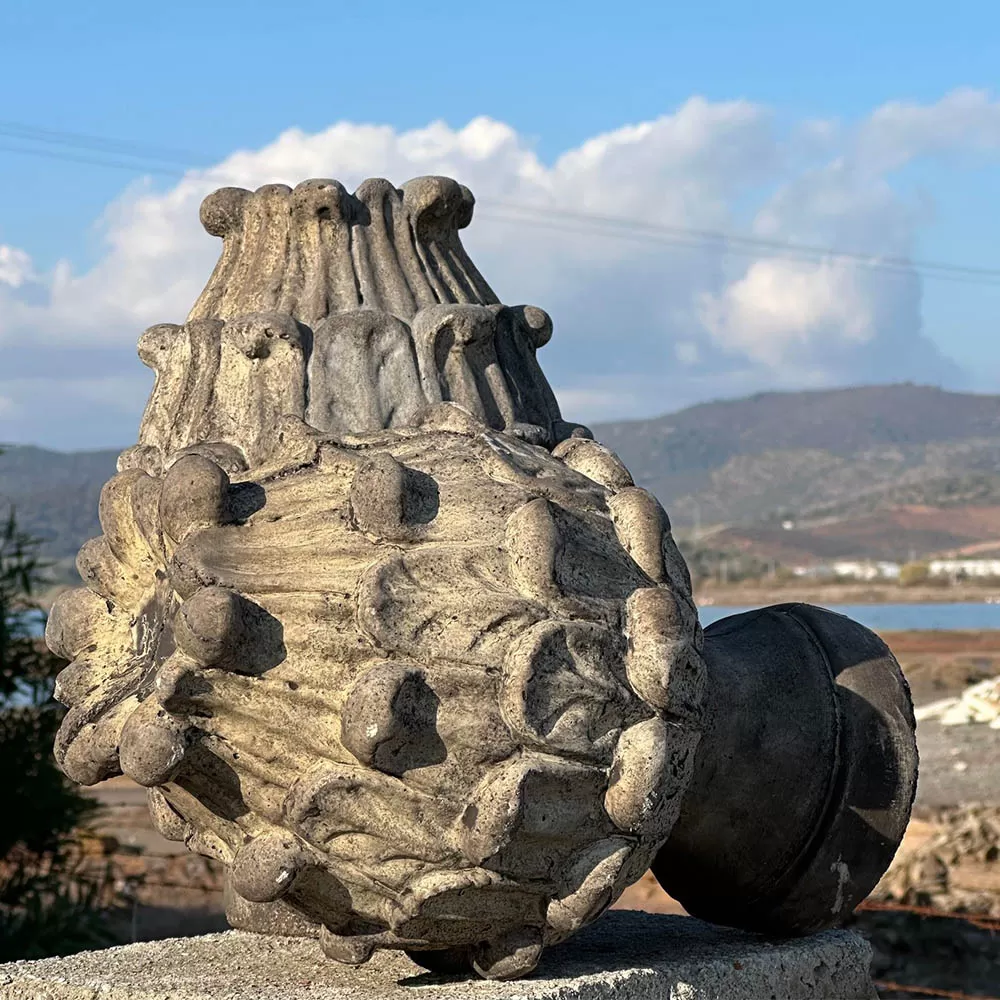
x,y
942,664
172,892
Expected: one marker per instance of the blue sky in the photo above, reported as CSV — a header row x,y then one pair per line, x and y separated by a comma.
x,y
214,77
217,78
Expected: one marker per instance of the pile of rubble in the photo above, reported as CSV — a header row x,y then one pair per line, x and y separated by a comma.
x,y
979,703
956,869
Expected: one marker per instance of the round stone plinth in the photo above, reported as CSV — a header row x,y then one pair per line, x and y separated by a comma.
x,y
625,956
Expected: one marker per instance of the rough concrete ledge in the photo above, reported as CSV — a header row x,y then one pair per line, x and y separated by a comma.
x,y
625,956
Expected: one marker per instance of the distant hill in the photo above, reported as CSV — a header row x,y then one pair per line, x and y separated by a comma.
x,y
55,496
896,534
839,452
859,471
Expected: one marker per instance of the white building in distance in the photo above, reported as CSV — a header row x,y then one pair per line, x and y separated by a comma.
x,y
851,569
964,567
866,570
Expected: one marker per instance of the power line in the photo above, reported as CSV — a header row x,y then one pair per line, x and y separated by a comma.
x,y
539,216
787,251
82,140
50,154
709,236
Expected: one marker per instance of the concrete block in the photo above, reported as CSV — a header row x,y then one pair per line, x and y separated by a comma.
x,y
625,956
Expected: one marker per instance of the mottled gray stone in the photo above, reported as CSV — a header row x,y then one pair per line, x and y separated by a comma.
x,y
628,956
412,656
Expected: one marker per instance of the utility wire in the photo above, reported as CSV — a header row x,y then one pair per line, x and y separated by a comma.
x,y
151,160
50,154
81,140
747,248
709,236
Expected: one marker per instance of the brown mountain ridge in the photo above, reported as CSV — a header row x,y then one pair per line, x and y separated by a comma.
x,y
884,471
878,471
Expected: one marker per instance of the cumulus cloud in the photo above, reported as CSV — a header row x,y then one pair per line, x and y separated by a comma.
x,y
15,267
963,122
778,309
644,323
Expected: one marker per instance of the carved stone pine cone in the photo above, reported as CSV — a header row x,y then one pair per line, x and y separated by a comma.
x,y
375,626
418,685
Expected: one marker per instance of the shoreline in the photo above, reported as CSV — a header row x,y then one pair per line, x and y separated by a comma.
x,y
757,595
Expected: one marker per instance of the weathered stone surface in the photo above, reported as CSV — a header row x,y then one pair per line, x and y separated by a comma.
x,y
628,956
357,626
352,313
365,695
411,654
820,776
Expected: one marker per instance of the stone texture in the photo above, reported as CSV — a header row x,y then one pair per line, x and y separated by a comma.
x,y
352,313
412,655
819,774
391,684
627,956
378,629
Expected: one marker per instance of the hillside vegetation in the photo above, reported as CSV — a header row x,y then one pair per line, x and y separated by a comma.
x,y
809,455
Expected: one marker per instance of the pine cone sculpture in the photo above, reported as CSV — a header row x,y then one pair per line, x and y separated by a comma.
x,y
375,626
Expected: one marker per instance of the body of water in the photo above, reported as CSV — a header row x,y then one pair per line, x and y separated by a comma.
x,y
880,617
896,617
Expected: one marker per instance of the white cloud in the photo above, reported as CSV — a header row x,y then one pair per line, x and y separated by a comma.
x,y
640,326
680,169
15,267
964,121
778,309
596,403
687,352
